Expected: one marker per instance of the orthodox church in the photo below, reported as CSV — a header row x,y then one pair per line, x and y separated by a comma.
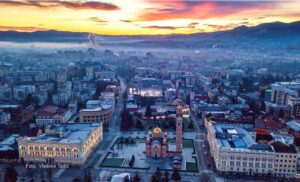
x,y
157,144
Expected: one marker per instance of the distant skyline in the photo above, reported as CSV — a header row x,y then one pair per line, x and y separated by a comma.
x,y
142,17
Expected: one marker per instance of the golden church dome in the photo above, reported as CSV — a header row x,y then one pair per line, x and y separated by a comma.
x,y
157,130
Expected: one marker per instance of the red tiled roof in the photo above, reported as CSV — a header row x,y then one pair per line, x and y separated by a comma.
x,y
51,110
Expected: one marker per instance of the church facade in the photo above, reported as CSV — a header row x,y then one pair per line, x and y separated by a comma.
x,y
157,143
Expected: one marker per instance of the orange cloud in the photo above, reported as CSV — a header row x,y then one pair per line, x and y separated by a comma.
x,y
66,4
169,27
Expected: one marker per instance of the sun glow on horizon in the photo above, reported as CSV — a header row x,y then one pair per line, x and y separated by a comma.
x,y
142,17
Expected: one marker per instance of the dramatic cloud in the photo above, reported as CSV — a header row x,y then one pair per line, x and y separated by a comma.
x,y
97,20
193,24
200,9
169,27
163,27
22,29
95,5
126,21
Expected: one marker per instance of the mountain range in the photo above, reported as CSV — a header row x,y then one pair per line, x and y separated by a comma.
x,y
271,35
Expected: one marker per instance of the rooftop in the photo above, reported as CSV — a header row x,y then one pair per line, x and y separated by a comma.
x,y
71,133
51,110
236,137
294,125
282,148
266,124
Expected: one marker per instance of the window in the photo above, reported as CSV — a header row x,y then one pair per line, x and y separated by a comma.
x,y
238,163
223,163
250,164
263,165
256,164
231,163
244,164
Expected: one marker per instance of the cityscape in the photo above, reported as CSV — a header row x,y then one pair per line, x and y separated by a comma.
x,y
163,91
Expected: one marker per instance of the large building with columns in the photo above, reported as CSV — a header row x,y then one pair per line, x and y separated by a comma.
x,y
68,143
235,151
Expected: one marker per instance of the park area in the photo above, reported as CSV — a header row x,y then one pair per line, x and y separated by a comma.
x,y
112,162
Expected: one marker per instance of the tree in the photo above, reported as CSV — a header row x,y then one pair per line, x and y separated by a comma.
x,y
11,174
28,100
191,125
77,179
165,177
176,175
127,121
280,113
136,178
148,112
172,123
87,177
139,125
131,162
158,174
262,105
154,178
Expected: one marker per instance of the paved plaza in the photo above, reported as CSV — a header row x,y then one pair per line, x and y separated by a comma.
x,y
122,152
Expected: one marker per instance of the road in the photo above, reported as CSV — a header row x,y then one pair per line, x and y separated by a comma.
x,y
109,137
201,148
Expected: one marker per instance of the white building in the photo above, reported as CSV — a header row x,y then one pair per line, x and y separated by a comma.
x,y
235,151
62,143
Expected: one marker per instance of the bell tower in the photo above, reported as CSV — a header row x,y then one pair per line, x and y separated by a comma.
x,y
179,129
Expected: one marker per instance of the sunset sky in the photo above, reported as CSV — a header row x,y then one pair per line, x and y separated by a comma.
x,y
132,17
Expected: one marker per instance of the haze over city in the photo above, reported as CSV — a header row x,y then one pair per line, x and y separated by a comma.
x,y
149,91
